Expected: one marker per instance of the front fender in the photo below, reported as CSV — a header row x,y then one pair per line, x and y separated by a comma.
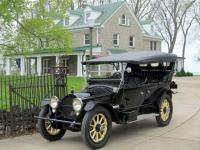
x,y
89,106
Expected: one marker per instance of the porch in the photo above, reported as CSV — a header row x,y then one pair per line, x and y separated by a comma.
x,y
42,65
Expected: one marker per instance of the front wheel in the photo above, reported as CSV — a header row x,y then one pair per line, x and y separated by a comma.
x,y
46,128
96,127
165,111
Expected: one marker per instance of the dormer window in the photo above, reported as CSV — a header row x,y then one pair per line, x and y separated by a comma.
x,y
66,21
87,17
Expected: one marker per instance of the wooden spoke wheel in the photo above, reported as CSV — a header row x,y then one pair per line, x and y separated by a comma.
x,y
165,108
96,127
46,129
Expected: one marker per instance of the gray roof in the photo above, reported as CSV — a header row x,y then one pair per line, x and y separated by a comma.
x,y
135,57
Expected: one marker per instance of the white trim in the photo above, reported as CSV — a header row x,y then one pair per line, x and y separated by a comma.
x,y
22,66
39,65
8,66
79,66
146,37
97,31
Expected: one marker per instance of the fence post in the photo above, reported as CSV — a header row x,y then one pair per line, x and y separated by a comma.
x,y
11,110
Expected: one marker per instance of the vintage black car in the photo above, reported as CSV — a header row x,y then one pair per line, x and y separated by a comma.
x,y
140,88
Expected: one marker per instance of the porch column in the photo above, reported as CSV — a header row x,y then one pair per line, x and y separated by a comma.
x,y
22,66
79,65
57,60
8,66
99,70
39,65
84,66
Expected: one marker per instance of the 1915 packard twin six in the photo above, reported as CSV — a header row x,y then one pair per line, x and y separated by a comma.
x,y
140,88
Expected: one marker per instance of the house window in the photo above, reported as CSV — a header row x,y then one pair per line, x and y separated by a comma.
x,y
123,19
116,39
155,45
46,66
87,16
66,22
65,63
151,45
132,41
87,39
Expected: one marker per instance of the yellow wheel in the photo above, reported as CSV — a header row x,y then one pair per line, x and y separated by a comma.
x,y
96,127
165,110
46,129
51,130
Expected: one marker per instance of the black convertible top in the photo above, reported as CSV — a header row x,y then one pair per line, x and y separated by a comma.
x,y
135,58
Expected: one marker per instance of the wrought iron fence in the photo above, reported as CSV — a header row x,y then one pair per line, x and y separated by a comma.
x,y
21,96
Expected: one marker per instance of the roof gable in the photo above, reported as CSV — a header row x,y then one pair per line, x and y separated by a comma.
x,y
105,11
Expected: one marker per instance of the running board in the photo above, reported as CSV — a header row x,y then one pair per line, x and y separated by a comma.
x,y
144,117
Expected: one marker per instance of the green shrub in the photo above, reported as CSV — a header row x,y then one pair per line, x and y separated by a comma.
x,y
182,73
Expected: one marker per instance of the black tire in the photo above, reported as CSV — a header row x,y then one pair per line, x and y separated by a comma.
x,y
86,127
42,128
161,120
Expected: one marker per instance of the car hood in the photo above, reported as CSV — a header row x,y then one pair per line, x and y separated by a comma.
x,y
82,95
96,90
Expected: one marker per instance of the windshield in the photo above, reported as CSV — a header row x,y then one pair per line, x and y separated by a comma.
x,y
105,71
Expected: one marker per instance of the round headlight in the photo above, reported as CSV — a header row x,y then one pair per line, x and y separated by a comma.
x,y
77,104
54,102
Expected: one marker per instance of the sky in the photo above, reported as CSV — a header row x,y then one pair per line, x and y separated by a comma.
x,y
192,49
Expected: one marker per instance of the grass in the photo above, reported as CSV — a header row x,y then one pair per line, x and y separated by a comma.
x,y
34,95
76,83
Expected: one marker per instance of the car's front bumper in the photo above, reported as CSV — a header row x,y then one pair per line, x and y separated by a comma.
x,y
57,120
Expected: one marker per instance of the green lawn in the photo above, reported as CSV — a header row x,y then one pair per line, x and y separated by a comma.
x,y
34,95
76,83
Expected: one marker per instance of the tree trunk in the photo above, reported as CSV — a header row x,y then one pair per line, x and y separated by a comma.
x,y
183,51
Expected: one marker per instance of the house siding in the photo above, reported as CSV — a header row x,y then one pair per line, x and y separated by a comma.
x,y
146,43
112,26
78,37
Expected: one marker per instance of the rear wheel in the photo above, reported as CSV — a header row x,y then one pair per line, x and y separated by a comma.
x,y
165,111
46,128
96,127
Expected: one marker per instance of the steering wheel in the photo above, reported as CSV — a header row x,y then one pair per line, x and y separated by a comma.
x,y
117,75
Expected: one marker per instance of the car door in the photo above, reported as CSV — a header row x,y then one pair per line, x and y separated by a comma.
x,y
134,94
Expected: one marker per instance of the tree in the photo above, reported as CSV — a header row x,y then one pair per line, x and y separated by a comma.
x,y
83,3
143,9
188,19
36,28
169,18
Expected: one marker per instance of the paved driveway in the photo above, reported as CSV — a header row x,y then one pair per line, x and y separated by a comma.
x,y
182,134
